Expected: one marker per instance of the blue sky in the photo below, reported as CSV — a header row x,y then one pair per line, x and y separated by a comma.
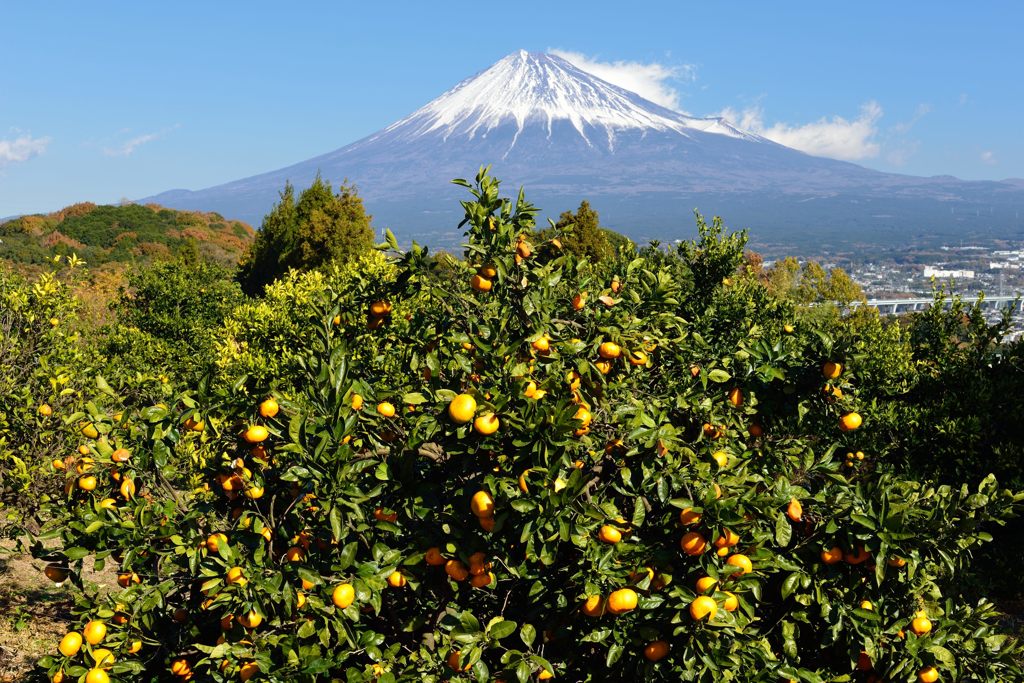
x,y
102,101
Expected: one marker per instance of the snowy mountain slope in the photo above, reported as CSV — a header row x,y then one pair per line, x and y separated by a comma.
x,y
567,135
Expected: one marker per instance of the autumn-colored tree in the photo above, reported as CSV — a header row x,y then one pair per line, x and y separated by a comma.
x,y
319,228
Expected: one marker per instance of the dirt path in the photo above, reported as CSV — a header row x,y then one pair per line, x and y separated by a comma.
x,y
34,613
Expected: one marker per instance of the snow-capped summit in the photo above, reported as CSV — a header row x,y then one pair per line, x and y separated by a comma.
x,y
566,135
540,89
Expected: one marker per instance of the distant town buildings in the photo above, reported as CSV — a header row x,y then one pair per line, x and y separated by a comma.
x,y
930,271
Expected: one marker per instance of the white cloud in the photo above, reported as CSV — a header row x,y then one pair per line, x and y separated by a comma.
x,y
652,81
903,127
989,157
21,148
128,146
838,138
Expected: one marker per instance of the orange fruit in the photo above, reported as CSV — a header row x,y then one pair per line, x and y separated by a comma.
x,y
486,424
397,579
693,543
269,408
609,534
850,421
385,409
638,358
522,481
462,408
70,644
127,489
488,271
248,670
858,557
45,410
357,402
866,604
121,455
87,483
755,430
456,570
727,539
487,524
135,646
721,458
833,555
542,345
579,301
741,561
482,504
706,583
593,606
89,431
453,661
795,511
94,632
788,329
609,350
656,650
125,579
731,602
251,619
214,541
434,557
831,369
735,397
545,675
380,308
928,675
97,676
180,667
896,562
921,624
236,576
343,595
480,283
481,580
622,600
703,606
687,517
256,434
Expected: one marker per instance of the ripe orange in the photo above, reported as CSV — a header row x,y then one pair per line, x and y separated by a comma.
x,y
256,434
488,271
462,408
127,489
181,667
795,511
486,424
741,561
583,415
727,539
522,481
214,541
94,632
487,524
248,670
609,350
832,556
897,562
434,557
622,600
638,358
397,579
89,431
831,369
593,606
687,517
850,421
482,504
609,534
579,301
703,606
693,543
380,308
921,624
97,676
542,345
456,570
236,576
735,397
656,650
755,430
125,579
251,619
385,409
706,583
788,329
721,458
45,410
928,675
121,455
480,283
545,675
343,595
858,557
70,644
866,604
87,483
357,402
731,603
453,661
481,580
269,408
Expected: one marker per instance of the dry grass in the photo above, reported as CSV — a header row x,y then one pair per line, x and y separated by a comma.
x,y
34,613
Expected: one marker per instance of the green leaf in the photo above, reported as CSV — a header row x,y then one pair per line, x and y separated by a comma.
x,y
719,375
527,633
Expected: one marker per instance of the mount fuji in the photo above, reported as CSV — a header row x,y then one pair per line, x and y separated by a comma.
x,y
566,135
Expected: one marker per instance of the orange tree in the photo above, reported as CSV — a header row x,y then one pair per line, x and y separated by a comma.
x,y
532,472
